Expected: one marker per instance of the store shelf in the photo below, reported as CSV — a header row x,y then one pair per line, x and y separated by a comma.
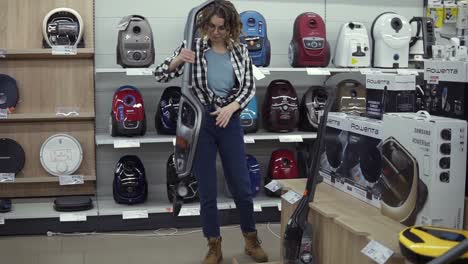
x,y
157,202
40,208
45,179
106,139
83,53
267,70
39,117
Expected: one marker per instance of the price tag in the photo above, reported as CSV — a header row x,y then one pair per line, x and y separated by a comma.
x,y
3,114
139,71
290,138
257,73
433,80
64,50
265,71
257,207
377,252
273,186
407,72
2,220
7,177
73,217
173,141
279,206
3,53
318,71
135,214
366,71
71,179
187,211
291,197
126,143
249,140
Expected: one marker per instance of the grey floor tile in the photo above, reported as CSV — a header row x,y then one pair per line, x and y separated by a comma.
x,y
31,244
70,258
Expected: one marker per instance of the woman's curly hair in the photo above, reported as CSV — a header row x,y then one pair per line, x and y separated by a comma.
x,y
223,9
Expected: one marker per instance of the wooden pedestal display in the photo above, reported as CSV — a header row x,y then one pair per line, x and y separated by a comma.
x,y
343,225
48,85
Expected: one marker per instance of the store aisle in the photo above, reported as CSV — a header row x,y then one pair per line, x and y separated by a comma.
x,y
139,248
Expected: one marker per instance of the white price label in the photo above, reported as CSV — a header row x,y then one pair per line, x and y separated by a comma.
x,y
187,211
366,71
377,252
273,186
279,206
3,114
257,73
174,141
265,71
139,71
71,179
73,217
290,138
126,143
257,207
318,71
64,50
407,72
135,214
7,177
2,220
3,53
249,140
291,196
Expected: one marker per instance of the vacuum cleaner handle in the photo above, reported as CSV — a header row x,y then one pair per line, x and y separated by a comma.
x,y
453,254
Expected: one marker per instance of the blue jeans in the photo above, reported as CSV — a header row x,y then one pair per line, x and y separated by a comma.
x,y
230,143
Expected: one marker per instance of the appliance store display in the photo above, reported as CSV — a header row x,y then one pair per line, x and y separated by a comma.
x,y
281,106
61,154
129,185
249,116
400,95
135,42
391,35
128,116
311,108
351,92
309,46
253,168
283,165
256,37
168,108
63,27
352,47
186,188
9,94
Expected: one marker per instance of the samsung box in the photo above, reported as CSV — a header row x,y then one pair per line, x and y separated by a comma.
x,y
423,169
400,95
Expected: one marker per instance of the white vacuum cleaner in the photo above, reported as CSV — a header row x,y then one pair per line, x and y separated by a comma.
x,y
352,47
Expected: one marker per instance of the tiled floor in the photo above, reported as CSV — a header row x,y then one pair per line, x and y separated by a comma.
x,y
140,248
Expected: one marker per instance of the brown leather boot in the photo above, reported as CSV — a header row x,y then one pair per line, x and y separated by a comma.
x,y
253,248
214,255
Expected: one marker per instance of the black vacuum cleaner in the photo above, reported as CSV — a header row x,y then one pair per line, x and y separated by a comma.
x,y
297,243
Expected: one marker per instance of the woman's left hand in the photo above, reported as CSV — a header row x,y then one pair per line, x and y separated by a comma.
x,y
224,114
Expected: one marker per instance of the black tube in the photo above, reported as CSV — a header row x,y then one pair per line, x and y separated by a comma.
x,y
453,254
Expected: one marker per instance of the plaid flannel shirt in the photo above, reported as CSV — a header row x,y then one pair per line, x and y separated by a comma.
x,y
243,90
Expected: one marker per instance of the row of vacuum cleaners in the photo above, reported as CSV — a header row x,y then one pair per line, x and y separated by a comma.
x,y
395,40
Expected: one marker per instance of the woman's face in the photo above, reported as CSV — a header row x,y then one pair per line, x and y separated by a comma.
x,y
216,29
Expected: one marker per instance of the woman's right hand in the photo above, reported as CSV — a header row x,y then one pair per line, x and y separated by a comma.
x,y
185,55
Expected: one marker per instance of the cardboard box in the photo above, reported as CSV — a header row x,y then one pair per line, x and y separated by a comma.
x,y
424,167
400,95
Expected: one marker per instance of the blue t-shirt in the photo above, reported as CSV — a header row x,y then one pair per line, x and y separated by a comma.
x,y
220,72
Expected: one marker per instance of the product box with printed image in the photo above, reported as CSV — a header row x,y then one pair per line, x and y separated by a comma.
x,y
351,161
400,95
423,169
